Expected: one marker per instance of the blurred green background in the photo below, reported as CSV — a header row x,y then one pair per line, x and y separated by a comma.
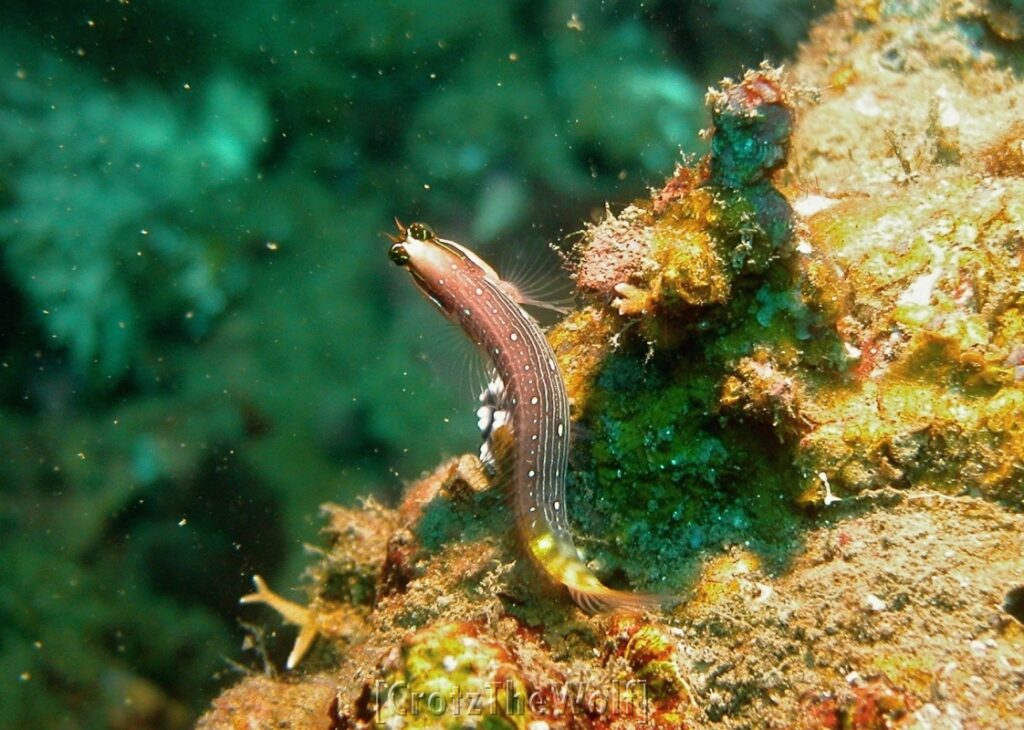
x,y
201,339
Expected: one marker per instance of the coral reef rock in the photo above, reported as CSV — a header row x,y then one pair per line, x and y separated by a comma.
x,y
799,372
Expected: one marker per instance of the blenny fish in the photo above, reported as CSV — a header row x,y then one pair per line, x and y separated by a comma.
x,y
532,393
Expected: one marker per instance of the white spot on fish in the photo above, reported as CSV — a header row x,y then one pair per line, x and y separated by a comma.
x,y
551,363
557,505
513,337
533,509
479,291
531,474
561,429
526,367
441,282
466,312
533,400
497,350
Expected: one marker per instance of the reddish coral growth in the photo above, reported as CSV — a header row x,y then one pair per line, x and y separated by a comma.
x,y
655,681
457,479
760,87
397,570
264,702
683,181
419,493
616,252
1005,158
871,704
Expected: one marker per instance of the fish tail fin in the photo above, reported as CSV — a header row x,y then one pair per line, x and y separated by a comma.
x,y
599,599
558,557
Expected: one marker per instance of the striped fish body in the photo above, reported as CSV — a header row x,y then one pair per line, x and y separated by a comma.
x,y
471,294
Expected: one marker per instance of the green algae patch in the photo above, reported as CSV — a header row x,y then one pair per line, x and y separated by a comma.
x,y
669,466
780,363
666,476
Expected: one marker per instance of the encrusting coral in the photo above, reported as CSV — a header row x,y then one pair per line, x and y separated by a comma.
x,y
190,198
797,369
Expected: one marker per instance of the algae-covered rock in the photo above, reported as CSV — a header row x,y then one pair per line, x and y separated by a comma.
x,y
796,374
444,673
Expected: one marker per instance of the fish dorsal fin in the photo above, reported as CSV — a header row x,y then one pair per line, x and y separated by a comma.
x,y
525,300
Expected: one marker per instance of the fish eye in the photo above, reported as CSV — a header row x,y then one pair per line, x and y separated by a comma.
x,y
421,232
398,254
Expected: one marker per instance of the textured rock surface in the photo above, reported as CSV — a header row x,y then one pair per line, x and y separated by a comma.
x,y
798,371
